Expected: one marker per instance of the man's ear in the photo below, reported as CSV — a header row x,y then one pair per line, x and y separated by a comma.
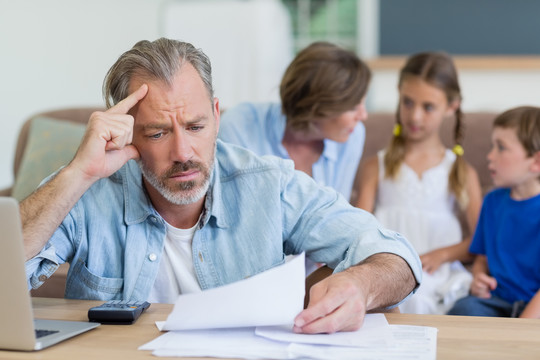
x,y
217,115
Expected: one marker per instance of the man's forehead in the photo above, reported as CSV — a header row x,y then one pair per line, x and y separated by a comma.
x,y
185,69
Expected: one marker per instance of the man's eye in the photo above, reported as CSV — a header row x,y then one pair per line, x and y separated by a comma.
x,y
156,136
196,128
429,107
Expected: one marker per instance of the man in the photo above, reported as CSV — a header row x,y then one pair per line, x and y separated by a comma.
x,y
193,212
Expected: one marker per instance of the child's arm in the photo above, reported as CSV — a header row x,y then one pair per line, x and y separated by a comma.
x,y
482,283
532,310
366,185
432,260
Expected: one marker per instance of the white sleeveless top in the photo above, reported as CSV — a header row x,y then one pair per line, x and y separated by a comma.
x,y
422,209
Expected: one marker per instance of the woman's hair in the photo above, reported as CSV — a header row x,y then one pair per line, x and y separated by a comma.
x,y
154,60
438,70
322,81
526,121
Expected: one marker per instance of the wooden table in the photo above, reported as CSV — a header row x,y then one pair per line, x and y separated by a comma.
x,y
458,337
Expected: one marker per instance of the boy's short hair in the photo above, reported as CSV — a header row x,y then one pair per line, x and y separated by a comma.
x,y
526,121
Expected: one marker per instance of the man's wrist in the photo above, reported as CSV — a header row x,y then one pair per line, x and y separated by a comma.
x,y
72,172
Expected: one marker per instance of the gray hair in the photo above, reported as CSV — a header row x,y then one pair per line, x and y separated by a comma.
x,y
154,60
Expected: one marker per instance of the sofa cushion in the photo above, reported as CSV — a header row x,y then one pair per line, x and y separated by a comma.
x,y
51,144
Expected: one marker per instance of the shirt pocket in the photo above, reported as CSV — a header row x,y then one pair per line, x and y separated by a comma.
x,y
84,284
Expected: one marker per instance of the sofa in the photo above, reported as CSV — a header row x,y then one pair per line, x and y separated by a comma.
x,y
72,121
46,141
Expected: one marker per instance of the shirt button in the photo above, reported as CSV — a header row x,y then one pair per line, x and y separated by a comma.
x,y
153,218
42,278
152,257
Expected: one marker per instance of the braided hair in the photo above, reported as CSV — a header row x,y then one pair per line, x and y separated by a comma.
x,y
437,69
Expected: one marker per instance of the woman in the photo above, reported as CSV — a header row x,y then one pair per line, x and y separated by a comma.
x,y
318,123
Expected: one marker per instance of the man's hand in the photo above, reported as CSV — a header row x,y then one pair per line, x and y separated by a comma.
x,y
336,303
106,145
482,285
340,302
105,148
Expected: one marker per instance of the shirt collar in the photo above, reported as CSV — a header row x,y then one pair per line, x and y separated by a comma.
x,y
214,205
331,150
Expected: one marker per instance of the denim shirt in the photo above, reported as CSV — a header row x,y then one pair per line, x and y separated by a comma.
x,y
257,211
261,127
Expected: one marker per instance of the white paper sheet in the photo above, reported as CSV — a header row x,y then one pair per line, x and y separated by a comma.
x,y
235,342
375,330
273,297
221,323
410,342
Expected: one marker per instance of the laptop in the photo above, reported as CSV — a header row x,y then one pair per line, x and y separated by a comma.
x,y
18,329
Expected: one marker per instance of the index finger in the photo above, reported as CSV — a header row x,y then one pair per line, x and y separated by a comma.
x,y
130,101
320,305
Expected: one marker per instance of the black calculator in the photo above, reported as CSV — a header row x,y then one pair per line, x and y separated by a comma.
x,y
118,312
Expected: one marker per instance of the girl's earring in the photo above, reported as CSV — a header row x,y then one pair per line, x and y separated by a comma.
x,y
397,130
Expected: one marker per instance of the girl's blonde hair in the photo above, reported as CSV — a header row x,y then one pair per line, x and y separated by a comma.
x,y
436,69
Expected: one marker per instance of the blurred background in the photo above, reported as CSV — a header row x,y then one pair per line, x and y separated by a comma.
x,y
55,53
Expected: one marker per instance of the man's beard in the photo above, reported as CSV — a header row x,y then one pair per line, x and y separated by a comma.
x,y
182,193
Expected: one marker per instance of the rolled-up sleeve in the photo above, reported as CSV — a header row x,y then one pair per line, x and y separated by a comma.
x,y
57,251
332,231
41,267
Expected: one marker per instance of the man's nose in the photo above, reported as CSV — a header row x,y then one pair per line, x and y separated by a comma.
x,y
181,147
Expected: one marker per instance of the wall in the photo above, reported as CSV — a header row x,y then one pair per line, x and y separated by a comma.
x,y
55,53
493,89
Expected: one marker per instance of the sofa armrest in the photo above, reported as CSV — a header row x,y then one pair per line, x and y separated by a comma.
x,y
6,191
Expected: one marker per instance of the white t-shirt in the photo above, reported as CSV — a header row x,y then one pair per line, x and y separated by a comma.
x,y
176,274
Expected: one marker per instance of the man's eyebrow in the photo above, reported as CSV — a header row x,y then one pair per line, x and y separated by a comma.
x,y
197,119
153,126
165,125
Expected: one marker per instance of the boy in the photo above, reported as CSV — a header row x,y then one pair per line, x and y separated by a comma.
x,y
507,239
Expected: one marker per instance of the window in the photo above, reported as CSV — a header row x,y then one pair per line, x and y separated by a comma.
x,y
329,20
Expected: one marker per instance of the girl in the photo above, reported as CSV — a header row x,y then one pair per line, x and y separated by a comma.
x,y
420,188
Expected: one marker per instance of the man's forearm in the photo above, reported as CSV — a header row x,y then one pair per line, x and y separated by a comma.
x,y
387,279
43,211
